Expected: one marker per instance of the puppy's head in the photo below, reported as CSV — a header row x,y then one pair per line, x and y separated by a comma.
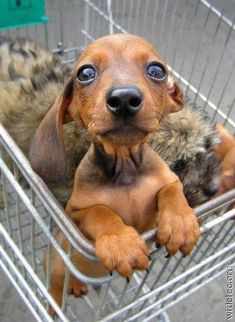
x,y
200,177
119,91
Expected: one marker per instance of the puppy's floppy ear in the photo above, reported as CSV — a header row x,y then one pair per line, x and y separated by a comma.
x,y
47,151
175,95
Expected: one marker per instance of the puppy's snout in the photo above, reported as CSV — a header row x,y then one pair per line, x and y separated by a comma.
x,y
124,101
211,189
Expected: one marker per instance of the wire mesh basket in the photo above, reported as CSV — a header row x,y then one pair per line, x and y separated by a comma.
x,y
196,38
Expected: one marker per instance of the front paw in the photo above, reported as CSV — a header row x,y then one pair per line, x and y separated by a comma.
x,y
178,230
124,251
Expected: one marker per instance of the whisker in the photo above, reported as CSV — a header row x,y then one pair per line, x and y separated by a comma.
x,y
159,116
90,124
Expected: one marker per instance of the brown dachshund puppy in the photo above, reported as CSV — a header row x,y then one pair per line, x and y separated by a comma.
x,y
225,152
119,91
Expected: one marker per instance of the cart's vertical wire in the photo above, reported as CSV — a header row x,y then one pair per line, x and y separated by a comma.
x,y
137,13
17,204
102,302
199,44
32,232
110,14
87,22
154,31
170,26
161,30
146,12
179,36
130,14
224,86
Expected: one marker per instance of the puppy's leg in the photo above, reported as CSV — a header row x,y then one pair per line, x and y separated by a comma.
x,y
76,287
177,224
58,270
56,291
118,246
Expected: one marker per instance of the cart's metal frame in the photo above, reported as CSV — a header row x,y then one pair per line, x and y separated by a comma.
x,y
31,215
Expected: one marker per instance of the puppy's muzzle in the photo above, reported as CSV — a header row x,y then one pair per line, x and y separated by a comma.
x,y
211,189
124,101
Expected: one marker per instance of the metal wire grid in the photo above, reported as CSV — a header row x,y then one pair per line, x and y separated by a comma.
x,y
27,229
194,37
31,215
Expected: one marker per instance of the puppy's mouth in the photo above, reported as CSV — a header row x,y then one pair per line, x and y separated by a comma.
x,y
125,129
125,134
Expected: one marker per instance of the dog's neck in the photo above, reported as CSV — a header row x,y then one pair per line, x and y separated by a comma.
x,y
120,165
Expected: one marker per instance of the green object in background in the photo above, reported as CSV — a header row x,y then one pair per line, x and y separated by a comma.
x,y
20,13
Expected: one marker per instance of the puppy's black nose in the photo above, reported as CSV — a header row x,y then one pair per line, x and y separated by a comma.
x,y
211,189
124,101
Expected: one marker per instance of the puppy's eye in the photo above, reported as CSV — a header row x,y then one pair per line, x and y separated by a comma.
x,y
86,74
157,72
179,165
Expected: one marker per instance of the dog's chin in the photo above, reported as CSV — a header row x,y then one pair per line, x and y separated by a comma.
x,y
125,135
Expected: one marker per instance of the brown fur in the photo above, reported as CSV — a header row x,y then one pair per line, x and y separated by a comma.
x,y
122,187
30,79
184,140
226,154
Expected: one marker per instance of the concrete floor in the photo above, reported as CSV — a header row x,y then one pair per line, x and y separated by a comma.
x,y
205,305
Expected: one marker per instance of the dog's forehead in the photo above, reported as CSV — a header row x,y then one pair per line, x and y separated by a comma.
x,y
113,48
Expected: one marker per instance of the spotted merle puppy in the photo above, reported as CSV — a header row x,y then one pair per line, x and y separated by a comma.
x,y
184,140
31,78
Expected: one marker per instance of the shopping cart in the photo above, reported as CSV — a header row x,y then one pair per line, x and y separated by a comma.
x,y
197,39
